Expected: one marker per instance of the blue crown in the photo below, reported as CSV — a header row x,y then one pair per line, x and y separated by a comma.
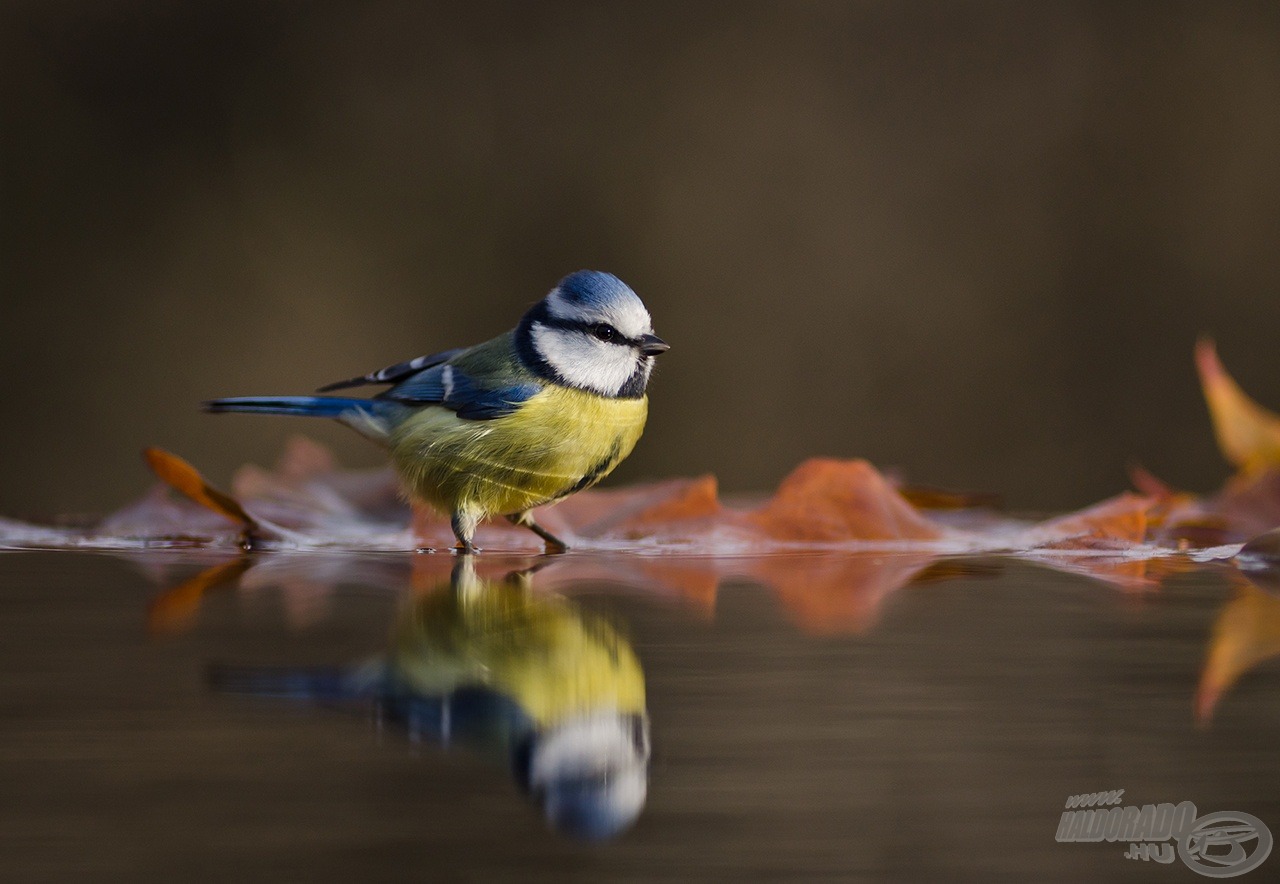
x,y
594,288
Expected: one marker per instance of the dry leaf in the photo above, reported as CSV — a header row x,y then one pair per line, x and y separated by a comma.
x,y
1121,520
925,497
826,500
183,477
1248,434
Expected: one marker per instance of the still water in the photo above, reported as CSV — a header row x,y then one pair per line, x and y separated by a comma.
x,y
176,716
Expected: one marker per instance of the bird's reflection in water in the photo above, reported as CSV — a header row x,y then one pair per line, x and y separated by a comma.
x,y
552,690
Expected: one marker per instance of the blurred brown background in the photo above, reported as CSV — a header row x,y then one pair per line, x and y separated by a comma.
x,y
972,240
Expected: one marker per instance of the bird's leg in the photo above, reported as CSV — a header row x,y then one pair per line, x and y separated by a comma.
x,y
464,528
525,520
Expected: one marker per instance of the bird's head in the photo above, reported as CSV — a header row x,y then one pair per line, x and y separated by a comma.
x,y
591,332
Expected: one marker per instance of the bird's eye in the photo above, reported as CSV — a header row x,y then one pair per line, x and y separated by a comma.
x,y
605,332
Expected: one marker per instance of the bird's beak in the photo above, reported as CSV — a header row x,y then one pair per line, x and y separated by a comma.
x,y
652,345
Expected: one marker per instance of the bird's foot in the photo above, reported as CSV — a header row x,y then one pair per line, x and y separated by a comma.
x,y
554,545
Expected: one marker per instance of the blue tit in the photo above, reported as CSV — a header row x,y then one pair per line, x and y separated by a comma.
x,y
525,419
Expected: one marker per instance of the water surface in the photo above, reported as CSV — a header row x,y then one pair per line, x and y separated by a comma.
x,y
863,730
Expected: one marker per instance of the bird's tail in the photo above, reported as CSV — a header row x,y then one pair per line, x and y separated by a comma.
x,y
370,417
307,406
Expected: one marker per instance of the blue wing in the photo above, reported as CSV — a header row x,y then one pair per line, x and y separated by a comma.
x,y
455,389
394,373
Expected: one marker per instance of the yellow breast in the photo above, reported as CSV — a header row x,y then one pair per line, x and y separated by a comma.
x,y
558,442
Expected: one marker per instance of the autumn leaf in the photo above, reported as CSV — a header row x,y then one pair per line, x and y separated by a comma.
x,y
1248,505
1248,434
926,497
1259,560
825,500
186,479
644,510
1122,518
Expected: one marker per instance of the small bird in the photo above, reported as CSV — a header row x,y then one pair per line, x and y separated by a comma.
x,y
529,417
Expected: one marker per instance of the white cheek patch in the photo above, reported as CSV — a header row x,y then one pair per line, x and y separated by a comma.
x,y
584,361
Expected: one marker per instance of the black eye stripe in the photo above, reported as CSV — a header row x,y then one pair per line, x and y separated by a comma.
x,y
589,328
